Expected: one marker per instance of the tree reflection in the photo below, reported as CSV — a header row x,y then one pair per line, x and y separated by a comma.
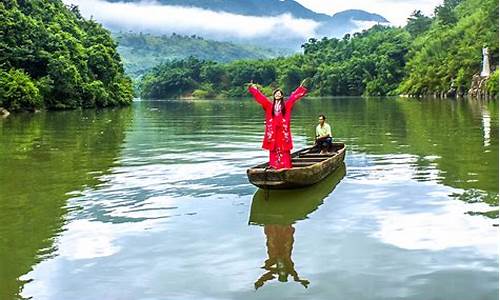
x,y
46,158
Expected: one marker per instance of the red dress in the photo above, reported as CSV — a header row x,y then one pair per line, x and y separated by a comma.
x,y
278,137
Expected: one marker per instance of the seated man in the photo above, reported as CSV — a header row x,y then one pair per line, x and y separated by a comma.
x,y
323,135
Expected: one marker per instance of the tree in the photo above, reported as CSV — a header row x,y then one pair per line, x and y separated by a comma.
x,y
418,23
445,13
65,57
18,91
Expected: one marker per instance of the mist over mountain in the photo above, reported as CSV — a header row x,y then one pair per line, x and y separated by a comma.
x,y
246,7
262,22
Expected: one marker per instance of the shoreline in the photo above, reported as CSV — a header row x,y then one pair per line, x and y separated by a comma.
x,y
4,113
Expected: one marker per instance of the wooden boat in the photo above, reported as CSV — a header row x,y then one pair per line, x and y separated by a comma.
x,y
308,167
289,206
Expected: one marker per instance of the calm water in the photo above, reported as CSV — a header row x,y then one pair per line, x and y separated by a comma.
x,y
152,202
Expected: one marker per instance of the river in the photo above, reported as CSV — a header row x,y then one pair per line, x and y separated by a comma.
x,y
152,202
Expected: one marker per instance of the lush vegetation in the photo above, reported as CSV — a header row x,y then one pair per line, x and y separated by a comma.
x,y
443,59
430,55
141,52
371,62
51,57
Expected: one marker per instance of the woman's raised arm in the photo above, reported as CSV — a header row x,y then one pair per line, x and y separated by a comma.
x,y
300,92
258,96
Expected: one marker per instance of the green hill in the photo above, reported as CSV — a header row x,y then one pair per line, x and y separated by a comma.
x,y
141,52
371,62
446,55
51,57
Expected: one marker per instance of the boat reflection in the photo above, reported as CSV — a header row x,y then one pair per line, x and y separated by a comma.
x,y
277,211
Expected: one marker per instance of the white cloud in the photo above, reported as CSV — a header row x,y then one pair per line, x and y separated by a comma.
x,y
153,17
395,11
450,227
363,25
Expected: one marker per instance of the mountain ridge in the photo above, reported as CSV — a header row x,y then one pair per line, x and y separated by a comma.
x,y
336,25
261,8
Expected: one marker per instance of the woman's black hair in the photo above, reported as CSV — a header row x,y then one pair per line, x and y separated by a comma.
x,y
323,116
283,109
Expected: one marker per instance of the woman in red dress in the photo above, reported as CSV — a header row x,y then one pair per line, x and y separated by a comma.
x,y
278,137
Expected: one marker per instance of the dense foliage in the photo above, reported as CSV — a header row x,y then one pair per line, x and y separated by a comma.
x,y
430,55
52,57
370,62
141,52
444,58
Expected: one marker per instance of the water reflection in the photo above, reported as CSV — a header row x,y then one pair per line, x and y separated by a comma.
x,y
279,250
461,135
486,126
277,211
88,201
45,159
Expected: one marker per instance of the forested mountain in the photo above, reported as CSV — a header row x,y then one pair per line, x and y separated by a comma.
x,y
428,56
371,62
140,52
448,52
50,56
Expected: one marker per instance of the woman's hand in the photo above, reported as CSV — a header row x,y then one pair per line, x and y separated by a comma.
x,y
252,84
305,83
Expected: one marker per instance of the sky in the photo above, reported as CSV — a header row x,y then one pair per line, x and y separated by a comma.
x,y
395,11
